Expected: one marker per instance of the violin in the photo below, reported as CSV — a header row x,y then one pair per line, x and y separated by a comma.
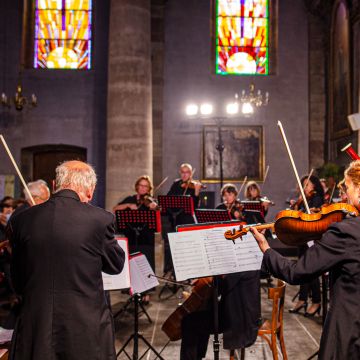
x,y
296,228
265,199
191,184
147,200
236,206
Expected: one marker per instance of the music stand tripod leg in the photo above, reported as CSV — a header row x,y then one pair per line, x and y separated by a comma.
x,y
216,342
144,311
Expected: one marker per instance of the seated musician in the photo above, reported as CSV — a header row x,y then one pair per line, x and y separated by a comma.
x,y
253,193
186,185
230,202
142,200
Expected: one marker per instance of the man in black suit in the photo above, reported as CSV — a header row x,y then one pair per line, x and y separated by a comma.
x,y
60,248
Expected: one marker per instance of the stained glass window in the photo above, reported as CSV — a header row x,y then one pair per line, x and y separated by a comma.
x,y
242,28
63,34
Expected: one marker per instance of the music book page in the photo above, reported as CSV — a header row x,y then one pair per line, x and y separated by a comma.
x,y
5,335
140,270
200,253
122,280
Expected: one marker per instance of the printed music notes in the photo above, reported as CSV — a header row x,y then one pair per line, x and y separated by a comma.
x,y
200,253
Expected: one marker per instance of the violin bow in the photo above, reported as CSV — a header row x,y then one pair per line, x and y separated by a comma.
x,y
308,178
279,124
17,169
160,185
243,183
187,185
332,193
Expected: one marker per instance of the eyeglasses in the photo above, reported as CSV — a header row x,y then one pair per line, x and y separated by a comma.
x,y
144,185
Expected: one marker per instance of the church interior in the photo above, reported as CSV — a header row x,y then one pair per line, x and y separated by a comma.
x,y
227,95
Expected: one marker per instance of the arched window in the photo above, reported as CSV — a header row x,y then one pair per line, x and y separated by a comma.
x,y
62,34
242,37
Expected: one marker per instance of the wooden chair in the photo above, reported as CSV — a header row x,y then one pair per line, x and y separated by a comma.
x,y
274,328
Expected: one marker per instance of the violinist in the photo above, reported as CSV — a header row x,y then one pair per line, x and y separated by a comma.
x,y
142,200
186,185
229,194
314,194
253,193
337,252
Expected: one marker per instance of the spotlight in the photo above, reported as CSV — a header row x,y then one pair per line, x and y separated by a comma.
x,y
247,108
232,108
206,109
192,109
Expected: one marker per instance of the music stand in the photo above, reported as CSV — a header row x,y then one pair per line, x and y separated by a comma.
x,y
141,282
255,205
137,221
216,342
213,215
174,206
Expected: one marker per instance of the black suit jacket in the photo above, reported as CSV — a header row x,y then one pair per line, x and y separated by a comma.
x,y
338,251
59,250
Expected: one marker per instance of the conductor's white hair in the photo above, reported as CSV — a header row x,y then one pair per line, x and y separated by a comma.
x,y
75,175
37,188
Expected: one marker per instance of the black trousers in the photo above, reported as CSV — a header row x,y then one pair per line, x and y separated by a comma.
x,y
196,329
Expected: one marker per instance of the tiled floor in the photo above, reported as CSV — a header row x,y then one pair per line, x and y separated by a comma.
x,y
301,334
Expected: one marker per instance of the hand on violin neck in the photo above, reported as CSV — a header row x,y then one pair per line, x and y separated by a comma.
x,y
260,238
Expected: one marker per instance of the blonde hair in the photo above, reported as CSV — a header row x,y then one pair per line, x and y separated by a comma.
x,y
146,178
249,185
187,165
353,172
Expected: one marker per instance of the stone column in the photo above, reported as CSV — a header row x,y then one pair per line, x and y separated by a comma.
x,y
129,112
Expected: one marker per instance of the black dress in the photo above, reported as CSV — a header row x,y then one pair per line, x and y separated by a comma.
x,y
146,241
338,251
60,248
239,317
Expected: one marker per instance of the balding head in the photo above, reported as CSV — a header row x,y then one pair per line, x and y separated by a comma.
x,y
77,176
39,191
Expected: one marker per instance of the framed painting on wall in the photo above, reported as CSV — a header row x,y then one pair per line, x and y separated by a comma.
x,y
340,76
243,153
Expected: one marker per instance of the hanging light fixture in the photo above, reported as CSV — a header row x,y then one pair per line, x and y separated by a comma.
x,y
19,100
252,99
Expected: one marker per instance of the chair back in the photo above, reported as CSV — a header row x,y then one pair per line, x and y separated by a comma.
x,y
277,295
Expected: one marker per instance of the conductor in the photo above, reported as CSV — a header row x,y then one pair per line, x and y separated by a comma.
x,y
60,248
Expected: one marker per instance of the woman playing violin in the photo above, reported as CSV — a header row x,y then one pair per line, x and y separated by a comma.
x,y
337,252
253,193
140,201
229,194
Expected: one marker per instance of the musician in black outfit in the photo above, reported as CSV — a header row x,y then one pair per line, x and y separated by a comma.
x,y
337,252
239,308
230,202
314,194
139,201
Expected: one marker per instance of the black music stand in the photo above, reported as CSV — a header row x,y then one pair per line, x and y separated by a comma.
x,y
174,206
214,215
137,221
135,336
255,205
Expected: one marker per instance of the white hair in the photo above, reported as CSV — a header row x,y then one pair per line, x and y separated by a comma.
x,y
76,175
37,188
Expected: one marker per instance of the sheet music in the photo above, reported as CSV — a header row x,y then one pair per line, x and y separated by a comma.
x,y
122,280
206,252
140,270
